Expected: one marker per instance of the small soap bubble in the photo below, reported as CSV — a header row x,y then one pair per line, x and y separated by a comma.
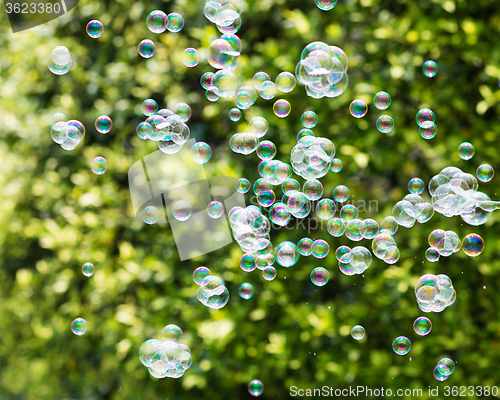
x,y
416,185
320,276
485,172
382,100
335,227
266,150
282,108
245,97
146,48
336,165
309,119
401,345
103,124
56,118
150,215
79,326
156,21
88,269
258,126
446,366
438,375
99,165
358,108
215,209
320,248
255,388
60,61
325,209
358,332
182,210
430,69
325,5
231,28
425,115
171,333
473,244
190,57
279,214
385,123
269,273
285,82
428,130
242,185
149,107
201,152
211,95
266,198
208,80
95,29
422,326
304,246
258,80
235,114
341,193
175,22
248,262
199,274
432,254
246,291
313,189
183,111
268,90
466,151
286,254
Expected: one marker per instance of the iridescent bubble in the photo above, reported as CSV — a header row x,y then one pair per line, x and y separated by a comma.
x,y
385,123
320,276
248,262
231,28
446,366
103,124
335,227
60,61
269,273
245,97
56,118
190,57
309,119
208,80
79,326
473,244
99,165
354,229
146,48
211,95
171,333
215,209
422,326
336,165
438,375
425,115
266,198
266,150
485,172
290,185
224,54
370,228
343,254
242,185
341,193
88,269
430,69
182,210
428,130
235,114
268,90
246,291
285,81
175,22
279,214
261,185
255,387
358,332
305,246
201,152
313,189
466,151
282,108
286,254
401,345
150,215
157,21
258,126
432,254
95,28
320,248
325,5
149,107
298,204
358,108
416,185
258,80
382,100
183,111
199,274
304,132
325,209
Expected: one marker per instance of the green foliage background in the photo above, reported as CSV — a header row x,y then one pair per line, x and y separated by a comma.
x,y
55,214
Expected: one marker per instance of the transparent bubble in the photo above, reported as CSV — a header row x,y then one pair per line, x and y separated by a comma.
x,y
258,126
309,119
149,107
242,185
285,82
485,172
304,246
211,95
446,366
79,326
432,254
336,165
199,274
245,97
146,48
382,100
231,28
255,388
325,209
401,345
282,108
266,150
279,214
298,204
358,108
88,269
290,185
466,151
422,326
150,215
320,248
223,12
269,273
224,54
385,123
248,262
182,210
320,276
57,118
266,198
261,185
201,152
171,333
343,254
430,69
246,291
473,244
428,130
215,209
157,21
95,28
325,5
226,84
286,254
425,115
183,111
268,90
190,57
335,227
313,189
103,124
354,229
370,228
341,193
235,114
416,185
60,60
99,165
258,80
208,80
358,332
438,375
175,22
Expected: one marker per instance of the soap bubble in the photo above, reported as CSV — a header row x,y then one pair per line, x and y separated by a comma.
x,y
95,29
261,185
325,209
246,291
190,57
258,126
266,150
223,12
320,248
389,224
150,215
304,246
416,185
88,269
438,375
354,230
370,228
201,152
245,97
401,345
157,21
309,119
269,273
200,273
103,124
313,189
208,80
325,5
212,292
298,204
343,254
358,332
226,84
266,198
183,111
382,100
79,326
242,185
255,387
248,262
215,209
175,22
231,28
146,48
336,165
182,210
282,108
473,244
348,213
258,80
445,242
279,214
60,60
422,326
430,69
312,156
224,53
428,130
485,173
341,193
434,293
149,107
466,151
99,165
285,82
320,276
171,333
268,90
286,254
335,227
425,115
234,114
446,366
385,123
432,254
358,108
57,117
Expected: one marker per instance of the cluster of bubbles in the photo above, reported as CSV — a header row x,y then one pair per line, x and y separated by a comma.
x,y
158,22
223,13
426,121
60,61
79,326
312,157
67,134
263,260
384,246
211,292
434,292
323,70
353,261
444,369
250,228
413,207
167,357
165,127
442,243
